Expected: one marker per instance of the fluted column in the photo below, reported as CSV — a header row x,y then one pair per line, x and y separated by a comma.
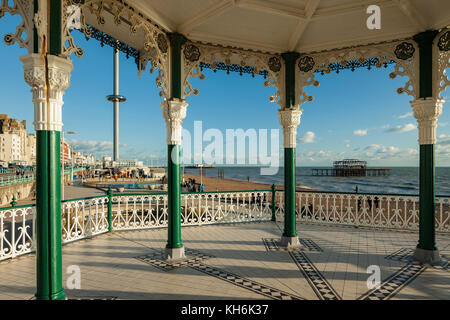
x,y
48,76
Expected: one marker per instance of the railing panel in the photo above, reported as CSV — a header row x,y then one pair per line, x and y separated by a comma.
x,y
370,210
228,207
16,231
139,211
83,218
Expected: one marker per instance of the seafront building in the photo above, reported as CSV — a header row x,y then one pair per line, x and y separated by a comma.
x,y
284,44
16,145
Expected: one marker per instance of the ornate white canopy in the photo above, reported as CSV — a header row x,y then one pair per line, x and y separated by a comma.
x,y
287,25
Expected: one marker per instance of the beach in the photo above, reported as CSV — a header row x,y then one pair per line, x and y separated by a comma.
x,y
230,184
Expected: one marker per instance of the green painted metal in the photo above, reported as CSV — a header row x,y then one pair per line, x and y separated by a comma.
x,y
13,201
274,210
174,197
55,21
176,42
289,193
425,43
110,195
48,217
427,230
290,58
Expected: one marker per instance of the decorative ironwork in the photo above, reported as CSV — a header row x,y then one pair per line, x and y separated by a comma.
x,y
191,52
404,51
112,42
306,63
162,43
444,42
355,64
233,68
274,64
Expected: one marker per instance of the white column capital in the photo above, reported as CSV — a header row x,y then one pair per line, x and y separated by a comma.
x,y
427,111
289,120
174,111
48,77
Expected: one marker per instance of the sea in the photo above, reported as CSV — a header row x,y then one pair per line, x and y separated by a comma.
x,y
402,180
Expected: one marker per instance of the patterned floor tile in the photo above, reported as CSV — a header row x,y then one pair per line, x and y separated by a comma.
x,y
157,259
271,244
316,280
406,255
244,282
392,285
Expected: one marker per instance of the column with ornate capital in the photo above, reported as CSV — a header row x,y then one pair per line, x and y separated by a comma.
x,y
48,76
426,110
174,111
289,118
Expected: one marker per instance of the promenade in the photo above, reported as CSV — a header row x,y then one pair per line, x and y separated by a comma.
x,y
241,261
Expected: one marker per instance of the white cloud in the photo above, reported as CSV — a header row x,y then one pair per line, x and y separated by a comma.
x,y
91,146
403,128
360,132
406,115
385,126
309,137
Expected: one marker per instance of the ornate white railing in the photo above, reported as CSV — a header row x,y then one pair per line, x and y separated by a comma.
x,y
139,211
84,218
371,210
150,211
228,207
16,230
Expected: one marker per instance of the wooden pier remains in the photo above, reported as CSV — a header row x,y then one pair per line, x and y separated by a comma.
x,y
350,168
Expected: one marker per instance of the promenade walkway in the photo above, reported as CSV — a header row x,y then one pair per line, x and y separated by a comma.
x,y
241,261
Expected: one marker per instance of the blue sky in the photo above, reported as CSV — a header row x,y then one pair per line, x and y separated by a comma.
x,y
353,115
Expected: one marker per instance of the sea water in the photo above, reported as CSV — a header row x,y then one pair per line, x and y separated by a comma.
x,y
402,180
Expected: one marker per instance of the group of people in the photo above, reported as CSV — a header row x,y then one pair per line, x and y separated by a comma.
x,y
192,186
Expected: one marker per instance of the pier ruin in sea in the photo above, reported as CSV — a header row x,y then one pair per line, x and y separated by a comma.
x,y
350,168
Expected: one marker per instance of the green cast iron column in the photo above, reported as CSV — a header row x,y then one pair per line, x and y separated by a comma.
x,y
289,153
48,188
427,235
48,217
173,151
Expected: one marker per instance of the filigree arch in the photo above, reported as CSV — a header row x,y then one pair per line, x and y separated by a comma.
x,y
441,54
403,54
154,50
193,54
25,9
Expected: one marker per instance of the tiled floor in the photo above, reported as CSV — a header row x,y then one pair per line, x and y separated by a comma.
x,y
242,261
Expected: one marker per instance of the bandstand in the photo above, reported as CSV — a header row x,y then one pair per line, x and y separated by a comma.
x,y
286,42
